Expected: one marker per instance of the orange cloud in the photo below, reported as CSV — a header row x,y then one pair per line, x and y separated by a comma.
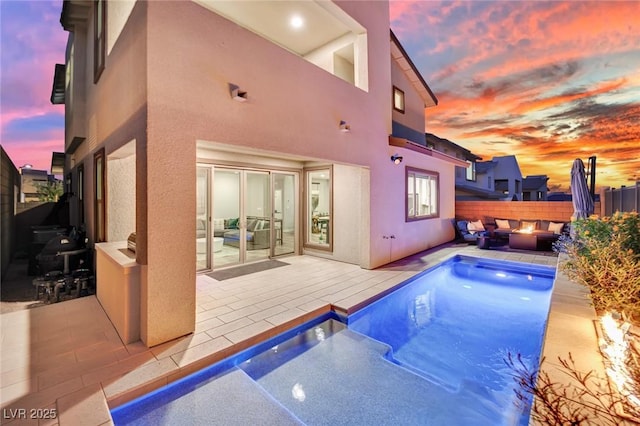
x,y
546,81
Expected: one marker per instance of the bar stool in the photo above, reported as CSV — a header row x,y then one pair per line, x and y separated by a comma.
x,y
81,279
47,283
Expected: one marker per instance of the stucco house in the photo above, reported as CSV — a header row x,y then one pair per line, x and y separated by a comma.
x,y
503,175
534,188
474,180
223,133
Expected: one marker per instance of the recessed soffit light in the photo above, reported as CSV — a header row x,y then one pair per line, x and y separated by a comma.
x,y
296,22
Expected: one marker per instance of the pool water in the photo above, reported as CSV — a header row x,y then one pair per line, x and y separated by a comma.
x,y
432,352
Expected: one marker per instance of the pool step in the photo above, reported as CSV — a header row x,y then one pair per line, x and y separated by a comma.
x,y
348,377
232,398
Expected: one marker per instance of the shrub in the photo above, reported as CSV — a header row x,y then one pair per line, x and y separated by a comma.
x,y
604,255
588,401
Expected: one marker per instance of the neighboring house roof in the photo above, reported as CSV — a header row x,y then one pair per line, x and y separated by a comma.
x,y
534,183
559,196
406,65
485,166
438,140
507,167
482,192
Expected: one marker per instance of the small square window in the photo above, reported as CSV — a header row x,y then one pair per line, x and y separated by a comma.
x,y
398,100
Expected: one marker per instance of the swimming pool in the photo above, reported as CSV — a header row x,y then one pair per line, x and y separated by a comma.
x,y
431,352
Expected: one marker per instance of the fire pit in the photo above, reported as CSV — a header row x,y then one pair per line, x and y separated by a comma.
x,y
523,239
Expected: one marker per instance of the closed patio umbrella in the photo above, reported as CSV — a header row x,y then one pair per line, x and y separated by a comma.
x,y
582,201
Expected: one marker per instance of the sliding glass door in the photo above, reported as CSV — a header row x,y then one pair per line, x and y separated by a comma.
x,y
225,213
251,215
203,224
256,216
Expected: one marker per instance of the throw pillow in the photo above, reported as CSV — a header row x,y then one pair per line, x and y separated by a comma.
x,y
476,226
233,223
218,224
556,227
251,224
503,224
525,224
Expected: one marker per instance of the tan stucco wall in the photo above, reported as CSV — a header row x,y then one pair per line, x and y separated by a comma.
x,y
167,87
115,107
293,107
413,115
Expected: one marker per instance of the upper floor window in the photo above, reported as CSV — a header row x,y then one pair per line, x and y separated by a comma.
x,y
398,100
99,38
422,194
471,171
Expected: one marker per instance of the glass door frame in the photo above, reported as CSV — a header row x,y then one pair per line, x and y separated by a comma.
x,y
242,243
278,235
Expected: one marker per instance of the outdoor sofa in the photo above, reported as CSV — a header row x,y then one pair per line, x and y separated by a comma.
x,y
546,231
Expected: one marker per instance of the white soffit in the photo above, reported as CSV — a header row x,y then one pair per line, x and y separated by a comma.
x,y
409,71
271,20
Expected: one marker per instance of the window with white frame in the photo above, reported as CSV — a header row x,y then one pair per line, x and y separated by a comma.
x,y
398,100
471,171
422,194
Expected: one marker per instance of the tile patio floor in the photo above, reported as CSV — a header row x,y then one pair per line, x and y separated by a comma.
x,y
68,357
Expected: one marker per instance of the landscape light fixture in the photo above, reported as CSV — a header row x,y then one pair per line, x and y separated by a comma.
x,y
397,159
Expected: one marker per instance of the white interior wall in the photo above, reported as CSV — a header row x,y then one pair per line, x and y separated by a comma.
x,y
257,195
226,187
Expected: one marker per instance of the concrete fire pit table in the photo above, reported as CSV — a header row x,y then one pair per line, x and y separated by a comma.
x,y
523,241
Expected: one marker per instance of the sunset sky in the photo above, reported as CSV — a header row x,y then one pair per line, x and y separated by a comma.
x,y
546,81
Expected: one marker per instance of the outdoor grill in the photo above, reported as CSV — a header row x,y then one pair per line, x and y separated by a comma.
x,y
62,267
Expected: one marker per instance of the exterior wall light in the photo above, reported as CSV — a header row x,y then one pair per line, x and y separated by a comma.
x,y
237,94
344,127
397,159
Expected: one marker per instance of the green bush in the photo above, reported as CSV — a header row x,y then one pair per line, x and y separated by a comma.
x,y
604,255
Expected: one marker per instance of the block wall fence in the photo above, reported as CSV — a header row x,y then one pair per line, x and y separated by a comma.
x,y
487,211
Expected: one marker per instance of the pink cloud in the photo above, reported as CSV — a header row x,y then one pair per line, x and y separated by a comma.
x,y
33,41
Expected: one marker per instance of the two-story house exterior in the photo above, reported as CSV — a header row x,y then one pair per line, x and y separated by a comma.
x,y
475,180
223,133
504,174
534,188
